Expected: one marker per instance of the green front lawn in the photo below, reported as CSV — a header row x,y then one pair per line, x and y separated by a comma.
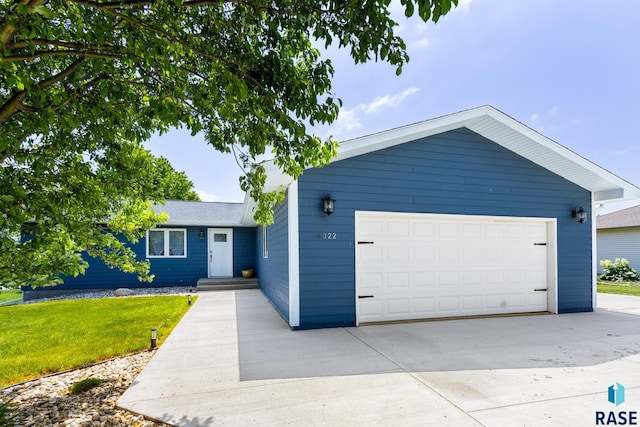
x,y
37,339
9,295
620,288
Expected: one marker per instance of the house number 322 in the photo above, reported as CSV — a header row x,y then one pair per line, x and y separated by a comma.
x,y
327,236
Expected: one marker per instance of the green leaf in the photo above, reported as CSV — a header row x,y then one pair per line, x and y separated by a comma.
x,y
44,11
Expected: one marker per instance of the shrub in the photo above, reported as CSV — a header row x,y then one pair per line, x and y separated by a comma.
x,y
8,415
618,271
84,385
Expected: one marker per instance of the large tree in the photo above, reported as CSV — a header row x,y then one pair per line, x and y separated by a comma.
x,y
173,184
82,82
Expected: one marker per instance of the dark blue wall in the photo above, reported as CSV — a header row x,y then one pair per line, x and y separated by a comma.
x,y
273,272
167,271
458,172
244,249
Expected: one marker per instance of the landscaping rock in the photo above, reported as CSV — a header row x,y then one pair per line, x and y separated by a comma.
x,y
47,401
124,292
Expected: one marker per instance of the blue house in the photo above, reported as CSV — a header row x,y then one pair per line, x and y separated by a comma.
x,y
468,214
463,215
200,240
618,236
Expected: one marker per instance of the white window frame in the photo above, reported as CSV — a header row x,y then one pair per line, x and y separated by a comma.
x,y
166,243
265,242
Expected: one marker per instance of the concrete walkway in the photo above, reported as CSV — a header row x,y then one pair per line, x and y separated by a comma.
x,y
232,361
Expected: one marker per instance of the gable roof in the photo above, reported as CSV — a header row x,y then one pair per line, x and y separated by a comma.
x,y
629,217
497,127
205,214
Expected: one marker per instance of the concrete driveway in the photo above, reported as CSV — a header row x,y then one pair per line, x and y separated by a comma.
x,y
233,361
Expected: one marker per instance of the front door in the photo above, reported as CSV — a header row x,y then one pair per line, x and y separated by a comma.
x,y
220,252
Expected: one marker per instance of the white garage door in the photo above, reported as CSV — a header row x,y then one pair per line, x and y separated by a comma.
x,y
416,266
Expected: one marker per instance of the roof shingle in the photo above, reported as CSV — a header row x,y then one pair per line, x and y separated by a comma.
x,y
202,213
629,217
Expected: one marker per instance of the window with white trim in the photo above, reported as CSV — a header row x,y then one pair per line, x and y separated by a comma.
x,y
167,243
265,242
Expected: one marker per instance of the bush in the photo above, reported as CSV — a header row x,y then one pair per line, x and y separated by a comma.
x,y
84,385
618,271
8,415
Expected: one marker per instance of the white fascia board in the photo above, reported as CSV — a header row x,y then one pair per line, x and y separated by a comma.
x,y
276,180
607,186
397,136
247,216
294,256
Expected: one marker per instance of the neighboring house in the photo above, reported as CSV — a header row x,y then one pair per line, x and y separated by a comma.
x,y
618,236
463,215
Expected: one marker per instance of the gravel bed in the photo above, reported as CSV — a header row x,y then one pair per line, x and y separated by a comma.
x,y
47,401
106,293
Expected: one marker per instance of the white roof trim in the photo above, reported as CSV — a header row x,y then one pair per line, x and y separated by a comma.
x,y
503,130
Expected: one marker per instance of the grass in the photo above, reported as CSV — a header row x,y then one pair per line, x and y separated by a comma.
x,y
9,295
620,288
38,339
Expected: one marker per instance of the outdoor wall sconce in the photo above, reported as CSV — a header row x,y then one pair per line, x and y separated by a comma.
x,y
579,214
201,234
328,204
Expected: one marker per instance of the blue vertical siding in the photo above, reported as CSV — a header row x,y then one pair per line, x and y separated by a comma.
x,y
167,271
457,172
273,272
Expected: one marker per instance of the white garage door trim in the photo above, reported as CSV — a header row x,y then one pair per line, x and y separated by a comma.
x,y
402,293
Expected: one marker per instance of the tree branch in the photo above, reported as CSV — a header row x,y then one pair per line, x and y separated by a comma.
x,y
9,30
14,104
43,53
59,43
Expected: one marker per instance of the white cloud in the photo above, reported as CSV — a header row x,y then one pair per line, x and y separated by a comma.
x,y
346,122
387,101
351,119
534,117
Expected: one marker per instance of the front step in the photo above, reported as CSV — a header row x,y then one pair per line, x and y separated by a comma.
x,y
226,284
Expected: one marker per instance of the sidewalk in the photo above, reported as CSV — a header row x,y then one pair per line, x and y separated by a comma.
x,y
233,361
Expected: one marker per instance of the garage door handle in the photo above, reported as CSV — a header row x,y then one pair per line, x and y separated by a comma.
x,y
539,244
365,243
364,296
540,290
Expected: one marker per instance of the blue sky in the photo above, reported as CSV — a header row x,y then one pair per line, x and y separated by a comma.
x,y
568,69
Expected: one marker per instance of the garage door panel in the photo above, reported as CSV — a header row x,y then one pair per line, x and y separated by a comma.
x,y
423,278
472,277
397,229
448,305
397,254
422,229
370,281
398,307
445,265
397,280
424,255
472,302
447,278
447,229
